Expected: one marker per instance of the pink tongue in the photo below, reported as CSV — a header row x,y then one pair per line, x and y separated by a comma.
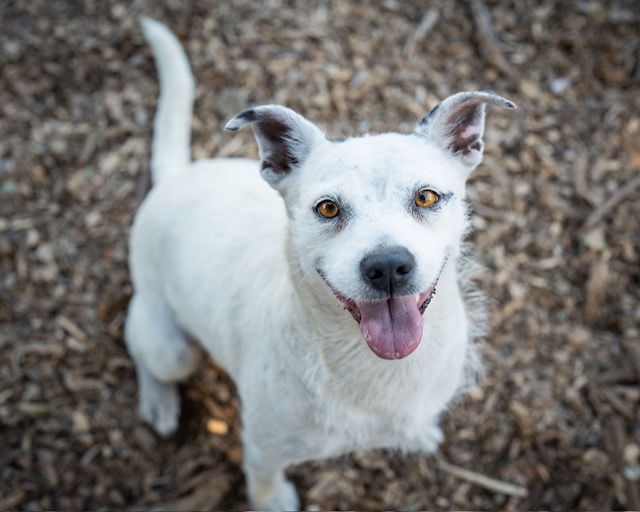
x,y
392,328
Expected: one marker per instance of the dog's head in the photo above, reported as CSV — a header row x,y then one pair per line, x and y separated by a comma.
x,y
375,218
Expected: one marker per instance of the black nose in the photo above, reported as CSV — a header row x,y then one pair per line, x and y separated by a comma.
x,y
388,270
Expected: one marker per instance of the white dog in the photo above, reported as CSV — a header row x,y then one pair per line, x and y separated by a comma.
x,y
332,297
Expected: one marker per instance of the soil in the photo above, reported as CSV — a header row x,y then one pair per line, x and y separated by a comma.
x,y
555,214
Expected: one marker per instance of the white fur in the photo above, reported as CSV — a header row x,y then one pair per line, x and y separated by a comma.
x,y
218,256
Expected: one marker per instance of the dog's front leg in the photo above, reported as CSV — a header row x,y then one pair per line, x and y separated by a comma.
x,y
267,487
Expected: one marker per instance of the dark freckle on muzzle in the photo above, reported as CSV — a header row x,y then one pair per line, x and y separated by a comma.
x,y
389,270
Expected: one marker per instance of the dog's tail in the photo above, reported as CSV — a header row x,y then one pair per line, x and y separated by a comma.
x,y
171,151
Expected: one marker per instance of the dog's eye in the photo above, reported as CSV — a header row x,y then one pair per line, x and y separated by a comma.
x,y
328,209
426,198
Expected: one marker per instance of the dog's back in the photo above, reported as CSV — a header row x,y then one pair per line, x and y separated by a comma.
x,y
199,220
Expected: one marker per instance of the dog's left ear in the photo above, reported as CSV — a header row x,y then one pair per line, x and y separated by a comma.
x,y
457,124
284,137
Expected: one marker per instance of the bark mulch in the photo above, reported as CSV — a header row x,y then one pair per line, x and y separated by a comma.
x,y
556,216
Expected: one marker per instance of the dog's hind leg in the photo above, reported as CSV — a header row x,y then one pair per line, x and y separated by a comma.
x,y
163,356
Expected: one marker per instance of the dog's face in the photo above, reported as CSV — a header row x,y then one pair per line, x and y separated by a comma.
x,y
374,219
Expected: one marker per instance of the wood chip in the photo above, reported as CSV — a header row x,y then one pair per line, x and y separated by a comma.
x,y
68,325
597,289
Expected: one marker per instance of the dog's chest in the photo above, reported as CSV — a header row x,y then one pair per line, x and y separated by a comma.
x,y
382,416
346,428
382,404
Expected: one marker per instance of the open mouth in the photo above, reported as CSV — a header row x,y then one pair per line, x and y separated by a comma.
x,y
391,327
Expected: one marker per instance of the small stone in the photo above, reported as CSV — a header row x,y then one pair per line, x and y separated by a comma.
x,y
217,427
80,421
33,238
558,85
45,253
595,240
631,454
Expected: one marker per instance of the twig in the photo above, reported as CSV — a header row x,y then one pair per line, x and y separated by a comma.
x,y
492,213
617,437
618,196
15,224
633,351
12,500
482,480
487,38
206,496
616,404
616,376
425,26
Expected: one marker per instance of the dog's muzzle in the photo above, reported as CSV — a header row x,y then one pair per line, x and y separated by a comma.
x,y
392,326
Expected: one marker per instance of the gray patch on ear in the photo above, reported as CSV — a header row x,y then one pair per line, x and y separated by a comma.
x,y
430,115
241,120
248,115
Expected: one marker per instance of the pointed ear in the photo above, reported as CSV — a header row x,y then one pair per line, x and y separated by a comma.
x,y
284,137
457,124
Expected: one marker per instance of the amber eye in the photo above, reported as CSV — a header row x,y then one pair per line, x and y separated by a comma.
x,y
328,209
426,198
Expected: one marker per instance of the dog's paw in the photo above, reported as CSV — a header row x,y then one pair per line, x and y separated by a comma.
x,y
281,497
160,407
431,438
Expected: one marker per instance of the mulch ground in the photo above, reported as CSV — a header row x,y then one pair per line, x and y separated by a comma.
x,y
556,217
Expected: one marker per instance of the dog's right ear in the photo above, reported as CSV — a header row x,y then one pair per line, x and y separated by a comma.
x,y
285,138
